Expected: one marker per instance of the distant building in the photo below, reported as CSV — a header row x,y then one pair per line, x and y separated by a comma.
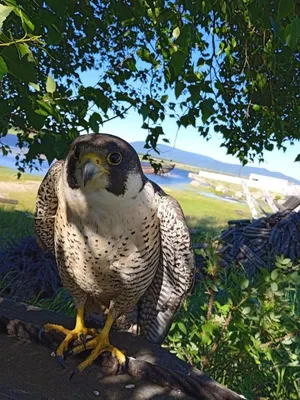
x,y
274,184
282,186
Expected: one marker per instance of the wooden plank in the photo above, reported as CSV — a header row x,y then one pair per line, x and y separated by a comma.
x,y
292,203
270,201
251,202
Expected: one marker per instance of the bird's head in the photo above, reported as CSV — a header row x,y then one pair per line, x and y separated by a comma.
x,y
101,161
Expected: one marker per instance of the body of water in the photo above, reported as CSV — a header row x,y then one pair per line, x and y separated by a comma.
x,y
177,177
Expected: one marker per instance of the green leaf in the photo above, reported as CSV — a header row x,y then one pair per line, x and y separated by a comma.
x,y
3,68
179,86
176,32
50,85
164,98
25,20
144,110
123,12
4,13
20,68
246,310
177,62
145,55
274,274
45,108
297,159
182,327
124,97
256,107
261,80
58,6
274,286
23,50
285,261
295,33
35,86
94,121
207,109
244,283
285,7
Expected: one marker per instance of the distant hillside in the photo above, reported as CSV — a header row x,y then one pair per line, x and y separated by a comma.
x,y
200,161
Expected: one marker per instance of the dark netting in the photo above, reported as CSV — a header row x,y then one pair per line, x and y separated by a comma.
x,y
26,271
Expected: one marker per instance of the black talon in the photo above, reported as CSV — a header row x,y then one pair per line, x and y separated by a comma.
x,y
74,373
69,352
41,331
123,368
82,338
61,361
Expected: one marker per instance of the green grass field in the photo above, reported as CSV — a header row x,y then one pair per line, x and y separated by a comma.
x,y
209,215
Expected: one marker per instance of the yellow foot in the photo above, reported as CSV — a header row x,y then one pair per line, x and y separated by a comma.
x,y
79,332
99,344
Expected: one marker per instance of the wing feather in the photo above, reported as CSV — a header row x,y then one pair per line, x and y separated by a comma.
x,y
175,276
46,207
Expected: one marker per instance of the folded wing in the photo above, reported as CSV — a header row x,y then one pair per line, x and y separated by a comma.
x,y
175,275
46,207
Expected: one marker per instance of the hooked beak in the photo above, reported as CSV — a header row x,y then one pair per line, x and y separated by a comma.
x,y
89,170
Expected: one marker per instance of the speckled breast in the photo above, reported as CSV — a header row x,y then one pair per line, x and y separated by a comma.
x,y
114,257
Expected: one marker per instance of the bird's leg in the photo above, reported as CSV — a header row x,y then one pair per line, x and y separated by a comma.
x,y
79,332
99,344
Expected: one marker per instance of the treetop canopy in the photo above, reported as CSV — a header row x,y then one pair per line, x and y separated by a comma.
x,y
233,66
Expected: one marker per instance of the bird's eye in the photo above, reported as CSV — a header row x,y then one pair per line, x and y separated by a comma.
x,y
114,158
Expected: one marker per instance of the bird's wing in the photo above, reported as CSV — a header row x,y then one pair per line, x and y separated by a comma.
x,y
175,276
46,207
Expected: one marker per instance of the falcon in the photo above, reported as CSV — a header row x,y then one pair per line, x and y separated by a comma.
x,y
120,243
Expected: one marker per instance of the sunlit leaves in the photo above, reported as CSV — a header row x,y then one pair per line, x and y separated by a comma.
x,y
248,324
182,328
256,107
145,55
176,32
162,60
4,13
50,84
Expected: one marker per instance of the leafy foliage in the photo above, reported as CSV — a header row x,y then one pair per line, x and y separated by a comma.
x,y
231,66
244,333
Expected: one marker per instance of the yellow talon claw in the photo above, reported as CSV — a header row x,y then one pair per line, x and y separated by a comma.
x,y
79,332
99,344
70,336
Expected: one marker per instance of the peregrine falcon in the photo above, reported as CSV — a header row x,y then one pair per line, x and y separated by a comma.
x,y
120,242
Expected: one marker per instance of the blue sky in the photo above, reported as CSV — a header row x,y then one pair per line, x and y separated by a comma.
x,y
190,140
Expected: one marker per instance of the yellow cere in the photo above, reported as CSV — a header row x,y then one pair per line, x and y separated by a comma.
x,y
98,160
